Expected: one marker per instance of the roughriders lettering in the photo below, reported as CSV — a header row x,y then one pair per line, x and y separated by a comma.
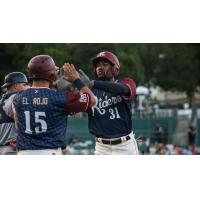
x,y
106,103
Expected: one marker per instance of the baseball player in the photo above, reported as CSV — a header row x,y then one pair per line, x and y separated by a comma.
x,y
110,120
41,112
13,82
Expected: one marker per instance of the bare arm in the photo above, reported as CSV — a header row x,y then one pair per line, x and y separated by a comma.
x,y
14,115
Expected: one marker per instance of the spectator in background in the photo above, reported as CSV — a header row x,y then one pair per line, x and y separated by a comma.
x,y
73,139
178,150
192,132
159,134
186,151
143,145
153,149
170,149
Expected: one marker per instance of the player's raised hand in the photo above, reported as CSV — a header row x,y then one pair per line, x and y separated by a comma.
x,y
61,83
70,72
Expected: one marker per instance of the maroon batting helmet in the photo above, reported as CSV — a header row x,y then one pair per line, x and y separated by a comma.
x,y
114,71
42,67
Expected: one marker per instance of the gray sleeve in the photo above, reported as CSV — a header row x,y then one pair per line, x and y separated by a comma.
x,y
8,131
8,106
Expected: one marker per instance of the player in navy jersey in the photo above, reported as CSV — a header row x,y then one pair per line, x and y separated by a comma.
x,y
110,121
41,112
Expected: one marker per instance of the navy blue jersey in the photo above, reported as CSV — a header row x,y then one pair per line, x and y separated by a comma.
x,y
112,116
42,117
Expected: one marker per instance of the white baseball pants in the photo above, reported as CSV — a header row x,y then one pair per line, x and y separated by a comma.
x,y
128,147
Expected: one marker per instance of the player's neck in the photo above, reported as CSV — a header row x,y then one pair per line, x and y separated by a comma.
x,y
11,91
111,80
41,83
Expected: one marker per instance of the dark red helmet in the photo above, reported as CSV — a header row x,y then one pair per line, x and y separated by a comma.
x,y
42,67
114,71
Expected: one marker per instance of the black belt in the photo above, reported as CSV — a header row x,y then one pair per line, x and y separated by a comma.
x,y
113,141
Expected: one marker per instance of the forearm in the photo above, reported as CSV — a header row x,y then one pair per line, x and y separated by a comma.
x,y
115,88
15,116
89,92
84,89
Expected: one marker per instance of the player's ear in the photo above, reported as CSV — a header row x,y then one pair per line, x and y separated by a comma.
x,y
15,86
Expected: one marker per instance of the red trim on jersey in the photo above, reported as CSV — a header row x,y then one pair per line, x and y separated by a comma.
x,y
132,86
77,102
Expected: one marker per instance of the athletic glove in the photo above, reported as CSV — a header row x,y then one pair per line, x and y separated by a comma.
x,y
85,79
61,83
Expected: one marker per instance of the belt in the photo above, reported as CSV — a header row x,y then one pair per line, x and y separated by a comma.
x,y
113,141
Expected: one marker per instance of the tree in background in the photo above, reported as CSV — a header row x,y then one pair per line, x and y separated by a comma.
x,y
178,68
171,66
15,57
81,54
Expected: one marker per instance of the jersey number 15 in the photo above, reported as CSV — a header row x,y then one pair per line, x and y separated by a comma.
x,y
41,123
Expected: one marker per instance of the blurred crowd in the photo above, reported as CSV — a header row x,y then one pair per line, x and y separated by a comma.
x,y
166,149
160,146
75,146
157,145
